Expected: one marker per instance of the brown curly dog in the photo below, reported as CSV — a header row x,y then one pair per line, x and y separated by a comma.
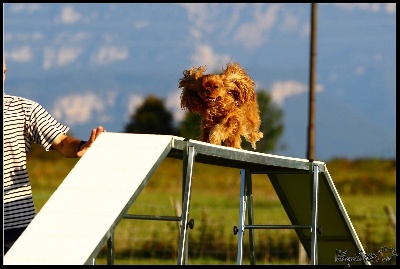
x,y
227,103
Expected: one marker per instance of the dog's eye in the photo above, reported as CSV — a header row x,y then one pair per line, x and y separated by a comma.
x,y
215,87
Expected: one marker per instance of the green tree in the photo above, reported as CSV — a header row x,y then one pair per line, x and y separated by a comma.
x,y
190,126
271,124
151,118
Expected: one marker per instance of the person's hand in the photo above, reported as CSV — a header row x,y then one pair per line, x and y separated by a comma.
x,y
93,136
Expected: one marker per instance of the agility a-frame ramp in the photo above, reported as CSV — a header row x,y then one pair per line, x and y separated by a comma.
x,y
82,214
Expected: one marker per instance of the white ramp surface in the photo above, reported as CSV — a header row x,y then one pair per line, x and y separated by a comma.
x,y
77,220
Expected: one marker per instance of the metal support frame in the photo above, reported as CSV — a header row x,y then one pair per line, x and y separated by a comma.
x,y
183,239
110,249
187,171
304,177
246,206
314,213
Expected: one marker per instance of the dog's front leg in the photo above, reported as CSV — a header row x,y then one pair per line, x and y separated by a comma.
x,y
217,135
227,131
234,141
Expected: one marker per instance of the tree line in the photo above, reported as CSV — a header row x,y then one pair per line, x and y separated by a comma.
x,y
152,117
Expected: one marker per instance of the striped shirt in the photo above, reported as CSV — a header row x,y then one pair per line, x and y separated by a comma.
x,y
24,122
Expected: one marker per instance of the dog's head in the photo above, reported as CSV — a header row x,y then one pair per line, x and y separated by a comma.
x,y
201,91
212,89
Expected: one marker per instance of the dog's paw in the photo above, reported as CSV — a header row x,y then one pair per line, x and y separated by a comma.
x,y
255,137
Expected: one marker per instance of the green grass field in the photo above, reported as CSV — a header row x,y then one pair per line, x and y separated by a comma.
x,y
366,187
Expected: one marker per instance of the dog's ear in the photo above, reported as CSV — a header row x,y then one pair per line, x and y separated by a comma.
x,y
239,84
190,84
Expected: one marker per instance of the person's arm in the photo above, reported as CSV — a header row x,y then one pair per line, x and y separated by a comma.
x,y
68,146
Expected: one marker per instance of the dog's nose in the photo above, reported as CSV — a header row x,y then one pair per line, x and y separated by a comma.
x,y
207,91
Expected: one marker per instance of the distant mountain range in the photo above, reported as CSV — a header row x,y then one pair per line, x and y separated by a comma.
x,y
92,64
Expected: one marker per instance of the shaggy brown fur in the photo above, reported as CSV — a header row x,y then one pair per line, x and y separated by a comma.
x,y
227,103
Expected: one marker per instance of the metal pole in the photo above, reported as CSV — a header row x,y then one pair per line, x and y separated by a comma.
x,y
314,224
313,57
183,241
110,249
249,208
242,216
